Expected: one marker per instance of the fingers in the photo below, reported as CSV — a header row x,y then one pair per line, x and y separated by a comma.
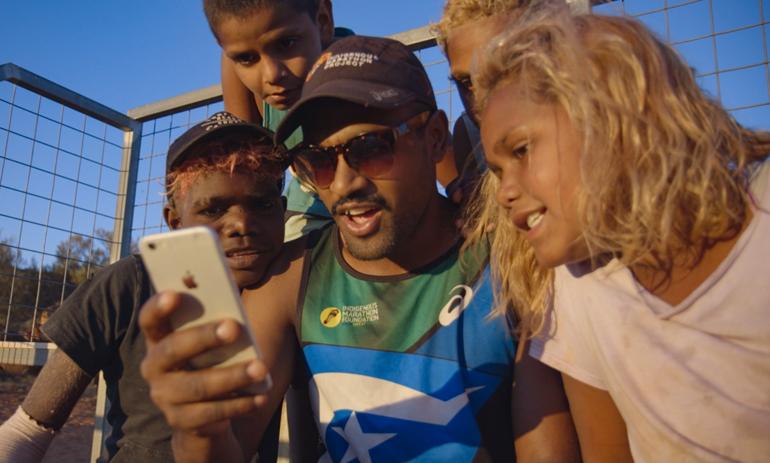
x,y
153,316
174,350
187,397
200,401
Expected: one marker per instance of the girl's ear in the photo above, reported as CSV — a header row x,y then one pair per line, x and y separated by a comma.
x,y
325,20
172,218
437,135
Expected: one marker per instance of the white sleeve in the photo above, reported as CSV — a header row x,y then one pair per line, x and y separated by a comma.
x,y
563,344
23,440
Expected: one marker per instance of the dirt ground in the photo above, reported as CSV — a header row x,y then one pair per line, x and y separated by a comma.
x,y
73,443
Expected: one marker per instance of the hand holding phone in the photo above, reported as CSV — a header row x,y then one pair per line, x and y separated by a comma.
x,y
191,261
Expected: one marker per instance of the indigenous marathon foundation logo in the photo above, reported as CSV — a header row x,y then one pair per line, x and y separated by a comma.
x,y
331,317
355,315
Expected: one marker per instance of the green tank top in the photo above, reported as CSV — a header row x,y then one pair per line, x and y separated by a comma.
x,y
407,367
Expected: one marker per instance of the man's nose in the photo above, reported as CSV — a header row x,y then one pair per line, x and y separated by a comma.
x,y
346,179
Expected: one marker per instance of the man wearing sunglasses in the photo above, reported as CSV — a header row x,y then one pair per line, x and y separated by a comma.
x,y
380,312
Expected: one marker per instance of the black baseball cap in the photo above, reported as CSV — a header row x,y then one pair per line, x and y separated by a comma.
x,y
218,125
369,71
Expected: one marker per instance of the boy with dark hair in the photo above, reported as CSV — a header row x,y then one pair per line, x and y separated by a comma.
x,y
268,48
222,173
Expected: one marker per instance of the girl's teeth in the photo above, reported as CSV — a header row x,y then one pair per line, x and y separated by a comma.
x,y
534,218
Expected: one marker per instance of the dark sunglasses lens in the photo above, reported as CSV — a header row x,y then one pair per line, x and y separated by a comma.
x,y
371,155
314,166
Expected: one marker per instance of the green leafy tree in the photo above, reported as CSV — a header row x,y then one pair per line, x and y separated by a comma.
x,y
29,285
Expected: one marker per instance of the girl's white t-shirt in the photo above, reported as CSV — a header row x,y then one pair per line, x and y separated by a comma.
x,y
692,381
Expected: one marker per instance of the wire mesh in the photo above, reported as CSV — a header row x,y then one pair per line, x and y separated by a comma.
x,y
723,40
437,68
59,175
157,136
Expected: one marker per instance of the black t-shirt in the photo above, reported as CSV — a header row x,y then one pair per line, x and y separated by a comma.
x,y
97,328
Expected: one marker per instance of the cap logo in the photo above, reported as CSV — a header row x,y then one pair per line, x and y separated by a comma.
x,y
379,96
353,58
218,120
317,64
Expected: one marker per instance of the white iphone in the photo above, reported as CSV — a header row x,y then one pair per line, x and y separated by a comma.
x,y
191,261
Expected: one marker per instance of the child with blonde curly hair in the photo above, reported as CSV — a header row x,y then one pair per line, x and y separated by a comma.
x,y
631,216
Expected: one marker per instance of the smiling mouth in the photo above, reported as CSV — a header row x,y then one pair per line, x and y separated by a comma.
x,y
535,218
360,214
361,221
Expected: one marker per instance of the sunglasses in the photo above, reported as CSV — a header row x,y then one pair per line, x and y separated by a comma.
x,y
371,154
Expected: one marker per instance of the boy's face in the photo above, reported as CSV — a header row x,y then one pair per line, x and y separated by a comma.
x,y
466,42
246,213
273,50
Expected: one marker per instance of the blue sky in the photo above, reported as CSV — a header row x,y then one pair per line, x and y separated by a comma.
x,y
128,54
131,53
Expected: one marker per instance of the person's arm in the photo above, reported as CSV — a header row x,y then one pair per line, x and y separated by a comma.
x,y
600,427
210,423
56,390
239,100
48,405
542,424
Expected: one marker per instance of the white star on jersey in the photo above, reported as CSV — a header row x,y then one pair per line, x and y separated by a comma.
x,y
359,443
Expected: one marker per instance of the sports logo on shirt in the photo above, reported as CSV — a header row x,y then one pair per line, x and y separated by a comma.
x,y
331,317
456,305
355,315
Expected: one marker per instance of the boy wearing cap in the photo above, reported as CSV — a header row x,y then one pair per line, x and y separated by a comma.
x,y
222,173
390,319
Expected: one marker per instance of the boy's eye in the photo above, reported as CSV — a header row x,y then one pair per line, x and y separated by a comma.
x,y
463,83
213,211
246,59
285,44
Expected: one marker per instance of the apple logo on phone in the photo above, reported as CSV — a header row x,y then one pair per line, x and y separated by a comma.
x,y
189,280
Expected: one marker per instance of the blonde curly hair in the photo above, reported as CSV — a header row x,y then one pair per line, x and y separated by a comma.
x,y
665,169
458,13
